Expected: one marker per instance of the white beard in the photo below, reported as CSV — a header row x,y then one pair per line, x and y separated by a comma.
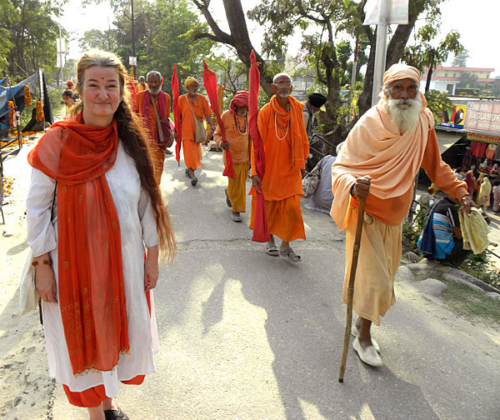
x,y
283,94
404,112
154,91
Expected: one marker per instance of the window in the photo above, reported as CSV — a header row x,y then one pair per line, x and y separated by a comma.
x,y
454,74
446,75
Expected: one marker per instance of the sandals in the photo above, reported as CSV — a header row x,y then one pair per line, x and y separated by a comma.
x,y
272,250
290,255
190,174
115,414
228,202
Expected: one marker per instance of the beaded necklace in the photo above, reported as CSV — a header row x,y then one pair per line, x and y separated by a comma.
x,y
276,125
238,124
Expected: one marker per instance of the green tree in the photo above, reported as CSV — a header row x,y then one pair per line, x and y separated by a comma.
x,y
164,34
460,59
424,54
95,38
29,36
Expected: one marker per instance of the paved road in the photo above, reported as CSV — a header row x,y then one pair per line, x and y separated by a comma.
x,y
247,336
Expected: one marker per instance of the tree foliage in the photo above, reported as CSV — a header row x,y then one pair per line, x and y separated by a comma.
x,y
28,36
460,59
424,54
164,34
329,20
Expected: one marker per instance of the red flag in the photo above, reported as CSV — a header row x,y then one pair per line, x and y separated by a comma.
x,y
260,229
177,114
210,82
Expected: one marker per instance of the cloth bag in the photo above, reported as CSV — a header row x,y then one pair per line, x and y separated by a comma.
x,y
165,138
29,296
311,181
200,134
474,231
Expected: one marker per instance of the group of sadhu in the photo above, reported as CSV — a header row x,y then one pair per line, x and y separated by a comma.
x,y
97,222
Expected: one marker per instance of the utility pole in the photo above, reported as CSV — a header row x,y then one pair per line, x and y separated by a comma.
x,y
60,73
133,34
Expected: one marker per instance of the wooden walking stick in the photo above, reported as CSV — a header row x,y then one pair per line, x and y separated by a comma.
x,y
350,288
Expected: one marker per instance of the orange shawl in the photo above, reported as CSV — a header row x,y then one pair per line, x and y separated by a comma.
x,y
91,291
375,147
297,127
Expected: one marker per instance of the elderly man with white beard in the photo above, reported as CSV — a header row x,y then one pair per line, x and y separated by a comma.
x,y
379,161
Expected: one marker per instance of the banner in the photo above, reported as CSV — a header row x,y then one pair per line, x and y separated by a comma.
x,y
453,117
483,116
485,138
397,12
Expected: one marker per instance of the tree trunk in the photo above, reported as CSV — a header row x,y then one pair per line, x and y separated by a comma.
x,y
238,37
394,53
429,77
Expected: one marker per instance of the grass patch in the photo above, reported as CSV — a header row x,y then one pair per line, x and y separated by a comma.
x,y
465,301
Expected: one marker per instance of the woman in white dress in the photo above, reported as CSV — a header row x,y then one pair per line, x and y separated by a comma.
x,y
94,210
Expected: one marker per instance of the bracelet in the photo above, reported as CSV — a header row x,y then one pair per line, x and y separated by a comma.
x,y
44,262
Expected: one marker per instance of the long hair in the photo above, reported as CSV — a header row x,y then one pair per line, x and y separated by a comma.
x,y
135,141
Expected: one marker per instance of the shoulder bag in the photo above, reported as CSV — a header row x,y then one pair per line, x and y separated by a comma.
x,y
165,138
29,296
201,133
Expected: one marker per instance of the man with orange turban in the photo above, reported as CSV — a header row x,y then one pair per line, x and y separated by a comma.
x,y
141,85
194,108
237,142
286,146
381,157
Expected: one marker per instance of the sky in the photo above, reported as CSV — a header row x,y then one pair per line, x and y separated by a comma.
x,y
476,21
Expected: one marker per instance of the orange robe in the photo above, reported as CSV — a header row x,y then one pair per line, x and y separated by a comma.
x,y
157,154
201,109
239,146
286,151
141,88
375,147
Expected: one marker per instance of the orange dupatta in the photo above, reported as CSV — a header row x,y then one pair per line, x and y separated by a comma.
x,y
297,128
91,290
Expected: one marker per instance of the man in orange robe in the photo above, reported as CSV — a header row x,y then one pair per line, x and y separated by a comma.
x,y
193,105
286,146
238,141
141,86
145,109
380,159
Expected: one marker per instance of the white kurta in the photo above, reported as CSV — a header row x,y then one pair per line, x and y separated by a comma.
x,y
137,227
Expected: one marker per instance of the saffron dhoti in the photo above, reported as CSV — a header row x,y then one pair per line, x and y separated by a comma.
x,y
284,218
236,187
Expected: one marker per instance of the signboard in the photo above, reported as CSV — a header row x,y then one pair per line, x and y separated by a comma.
x,y
132,61
485,138
61,45
60,60
453,117
397,12
483,116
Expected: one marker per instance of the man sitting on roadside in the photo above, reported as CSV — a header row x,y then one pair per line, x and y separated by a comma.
x,y
445,223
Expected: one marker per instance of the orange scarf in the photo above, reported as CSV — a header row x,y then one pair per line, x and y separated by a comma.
x,y
91,291
297,127
375,147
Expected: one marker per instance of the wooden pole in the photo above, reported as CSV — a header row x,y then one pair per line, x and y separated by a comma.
x,y
350,288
